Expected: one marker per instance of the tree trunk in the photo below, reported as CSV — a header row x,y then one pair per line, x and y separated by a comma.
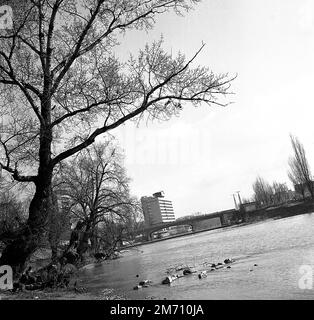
x,y
94,239
88,234
27,240
55,228
54,253
310,187
83,243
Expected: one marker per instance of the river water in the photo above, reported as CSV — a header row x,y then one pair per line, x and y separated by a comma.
x,y
279,248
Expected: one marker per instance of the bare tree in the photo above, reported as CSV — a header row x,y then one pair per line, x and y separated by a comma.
x,y
300,173
61,86
280,192
97,189
297,183
58,224
263,192
266,194
115,230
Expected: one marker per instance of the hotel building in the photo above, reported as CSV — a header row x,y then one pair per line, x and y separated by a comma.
x,y
157,210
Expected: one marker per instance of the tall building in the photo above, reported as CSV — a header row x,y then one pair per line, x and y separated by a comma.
x,y
157,210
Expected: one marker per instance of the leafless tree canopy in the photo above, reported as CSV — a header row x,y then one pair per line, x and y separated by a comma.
x,y
95,183
59,77
266,194
300,173
262,191
280,192
95,190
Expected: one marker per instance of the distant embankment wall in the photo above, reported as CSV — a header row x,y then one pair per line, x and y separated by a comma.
x,y
207,224
279,212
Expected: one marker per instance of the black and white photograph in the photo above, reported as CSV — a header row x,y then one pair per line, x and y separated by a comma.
x,y
156,150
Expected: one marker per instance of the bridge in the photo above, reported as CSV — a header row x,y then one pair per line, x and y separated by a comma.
x,y
197,223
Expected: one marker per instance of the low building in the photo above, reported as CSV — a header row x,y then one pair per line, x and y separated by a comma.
x,y
303,189
249,206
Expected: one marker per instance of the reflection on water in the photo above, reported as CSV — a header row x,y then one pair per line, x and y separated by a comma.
x,y
278,247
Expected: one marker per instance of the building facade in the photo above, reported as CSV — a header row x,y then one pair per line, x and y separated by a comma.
x,y
303,189
157,210
249,206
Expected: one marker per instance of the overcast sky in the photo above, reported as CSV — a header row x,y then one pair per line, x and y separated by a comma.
x,y
202,157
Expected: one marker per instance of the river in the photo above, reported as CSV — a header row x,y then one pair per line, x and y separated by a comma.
x,y
268,256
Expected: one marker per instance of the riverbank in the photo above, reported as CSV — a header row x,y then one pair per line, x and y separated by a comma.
x,y
74,291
